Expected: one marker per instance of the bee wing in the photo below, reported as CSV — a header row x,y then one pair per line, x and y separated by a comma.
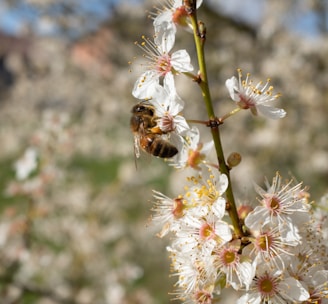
x,y
136,146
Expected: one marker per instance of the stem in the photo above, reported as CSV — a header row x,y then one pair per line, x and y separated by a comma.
x,y
233,112
203,83
203,122
191,76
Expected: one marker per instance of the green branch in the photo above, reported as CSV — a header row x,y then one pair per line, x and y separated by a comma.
x,y
199,37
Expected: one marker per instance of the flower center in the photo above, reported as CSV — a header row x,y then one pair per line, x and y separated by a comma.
x,y
178,208
206,231
163,64
209,193
267,286
167,123
264,242
229,257
245,102
195,157
272,203
203,297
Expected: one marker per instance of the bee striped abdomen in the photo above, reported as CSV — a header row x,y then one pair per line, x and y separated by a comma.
x,y
147,133
163,148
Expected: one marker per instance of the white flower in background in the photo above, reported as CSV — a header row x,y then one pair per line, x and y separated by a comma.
x,y
320,216
26,164
193,152
168,17
160,64
256,98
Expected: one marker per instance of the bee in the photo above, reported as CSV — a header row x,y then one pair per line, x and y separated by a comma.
x,y
147,134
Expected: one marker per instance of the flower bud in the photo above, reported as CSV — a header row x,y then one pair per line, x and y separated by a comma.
x,y
243,211
202,29
234,159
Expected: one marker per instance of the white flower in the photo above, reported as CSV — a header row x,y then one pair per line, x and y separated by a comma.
x,y
207,191
255,98
269,246
238,270
168,106
160,64
192,274
193,152
274,287
167,17
167,212
26,164
210,228
282,205
319,287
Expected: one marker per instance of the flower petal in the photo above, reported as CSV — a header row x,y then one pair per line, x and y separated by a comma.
x,y
181,61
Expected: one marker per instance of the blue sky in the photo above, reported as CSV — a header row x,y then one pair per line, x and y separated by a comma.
x,y
14,20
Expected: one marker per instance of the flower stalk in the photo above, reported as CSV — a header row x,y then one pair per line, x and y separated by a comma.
x,y
204,85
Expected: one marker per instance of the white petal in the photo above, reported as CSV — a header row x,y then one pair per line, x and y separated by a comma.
x,y
232,86
181,61
164,33
199,3
162,20
146,85
181,125
257,218
219,207
271,112
223,231
247,272
294,289
253,298
169,86
207,148
193,135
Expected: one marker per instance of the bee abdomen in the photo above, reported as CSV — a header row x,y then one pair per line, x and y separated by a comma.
x,y
162,148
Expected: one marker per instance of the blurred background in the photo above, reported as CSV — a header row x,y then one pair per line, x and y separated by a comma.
x,y
74,210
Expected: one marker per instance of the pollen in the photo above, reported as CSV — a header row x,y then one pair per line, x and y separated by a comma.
x,y
267,286
206,231
264,242
272,202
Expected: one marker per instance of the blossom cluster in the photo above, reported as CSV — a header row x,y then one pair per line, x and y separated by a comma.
x,y
55,231
35,169
276,251
282,257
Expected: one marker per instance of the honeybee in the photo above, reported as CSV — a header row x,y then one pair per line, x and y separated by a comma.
x,y
147,134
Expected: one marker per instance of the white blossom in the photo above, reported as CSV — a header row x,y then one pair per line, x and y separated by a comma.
x,y
160,63
254,97
26,164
